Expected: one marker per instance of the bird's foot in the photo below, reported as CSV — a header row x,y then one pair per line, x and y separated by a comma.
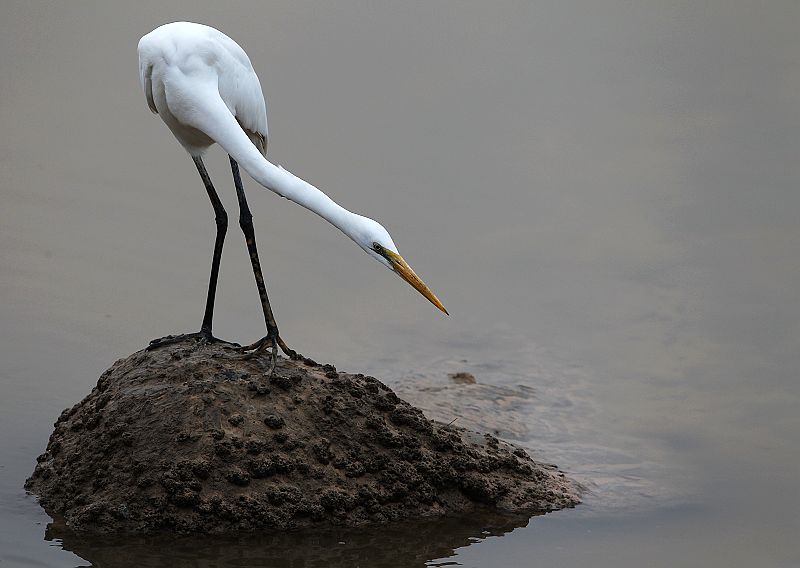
x,y
201,337
271,341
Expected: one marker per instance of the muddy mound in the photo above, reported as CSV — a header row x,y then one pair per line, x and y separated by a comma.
x,y
191,439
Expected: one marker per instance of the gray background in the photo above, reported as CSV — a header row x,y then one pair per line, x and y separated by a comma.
x,y
603,194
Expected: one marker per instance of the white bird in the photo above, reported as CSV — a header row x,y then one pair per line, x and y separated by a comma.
x,y
203,86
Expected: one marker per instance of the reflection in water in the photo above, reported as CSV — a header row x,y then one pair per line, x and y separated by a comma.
x,y
395,545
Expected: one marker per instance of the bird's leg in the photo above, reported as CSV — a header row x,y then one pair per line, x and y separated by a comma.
x,y
221,219
272,340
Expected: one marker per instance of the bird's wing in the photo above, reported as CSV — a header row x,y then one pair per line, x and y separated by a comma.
x,y
242,93
204,53
257,138
241,90
145,77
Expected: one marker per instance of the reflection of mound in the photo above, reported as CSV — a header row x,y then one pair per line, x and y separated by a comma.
x,y
193,440
403,544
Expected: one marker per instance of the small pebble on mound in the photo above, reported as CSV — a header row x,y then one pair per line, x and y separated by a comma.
x,y
191,439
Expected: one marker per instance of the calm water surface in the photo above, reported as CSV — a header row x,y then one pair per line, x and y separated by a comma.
x,y
604,194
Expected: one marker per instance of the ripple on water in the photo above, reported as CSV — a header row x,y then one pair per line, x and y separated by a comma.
x,y
525,395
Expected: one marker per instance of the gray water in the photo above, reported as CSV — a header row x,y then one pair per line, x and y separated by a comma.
x,y
604,195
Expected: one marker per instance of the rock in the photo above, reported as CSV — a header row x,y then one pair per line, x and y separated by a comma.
x,y
189,439
463,378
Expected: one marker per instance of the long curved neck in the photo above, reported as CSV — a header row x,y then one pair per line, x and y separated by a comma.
x,y
221,126
288,185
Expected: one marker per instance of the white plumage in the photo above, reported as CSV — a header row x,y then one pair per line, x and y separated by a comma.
x,y
203,86
180,53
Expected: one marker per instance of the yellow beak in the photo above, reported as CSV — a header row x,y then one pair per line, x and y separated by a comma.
x,y
404,271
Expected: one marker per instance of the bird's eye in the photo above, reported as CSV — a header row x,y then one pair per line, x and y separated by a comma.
x,y
377,247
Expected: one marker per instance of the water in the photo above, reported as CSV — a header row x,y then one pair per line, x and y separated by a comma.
x,y
604,195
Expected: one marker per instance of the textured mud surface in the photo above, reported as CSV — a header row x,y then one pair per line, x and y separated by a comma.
x,y
189,439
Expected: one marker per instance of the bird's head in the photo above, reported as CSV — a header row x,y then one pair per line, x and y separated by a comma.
x,y
377,243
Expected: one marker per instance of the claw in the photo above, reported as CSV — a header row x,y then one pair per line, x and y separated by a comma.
x,y
272,342
201,337
293,355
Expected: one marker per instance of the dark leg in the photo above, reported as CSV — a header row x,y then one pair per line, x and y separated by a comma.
x,y
272,339
221,218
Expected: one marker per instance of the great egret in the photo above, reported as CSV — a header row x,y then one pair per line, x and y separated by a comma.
x,y
203,86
